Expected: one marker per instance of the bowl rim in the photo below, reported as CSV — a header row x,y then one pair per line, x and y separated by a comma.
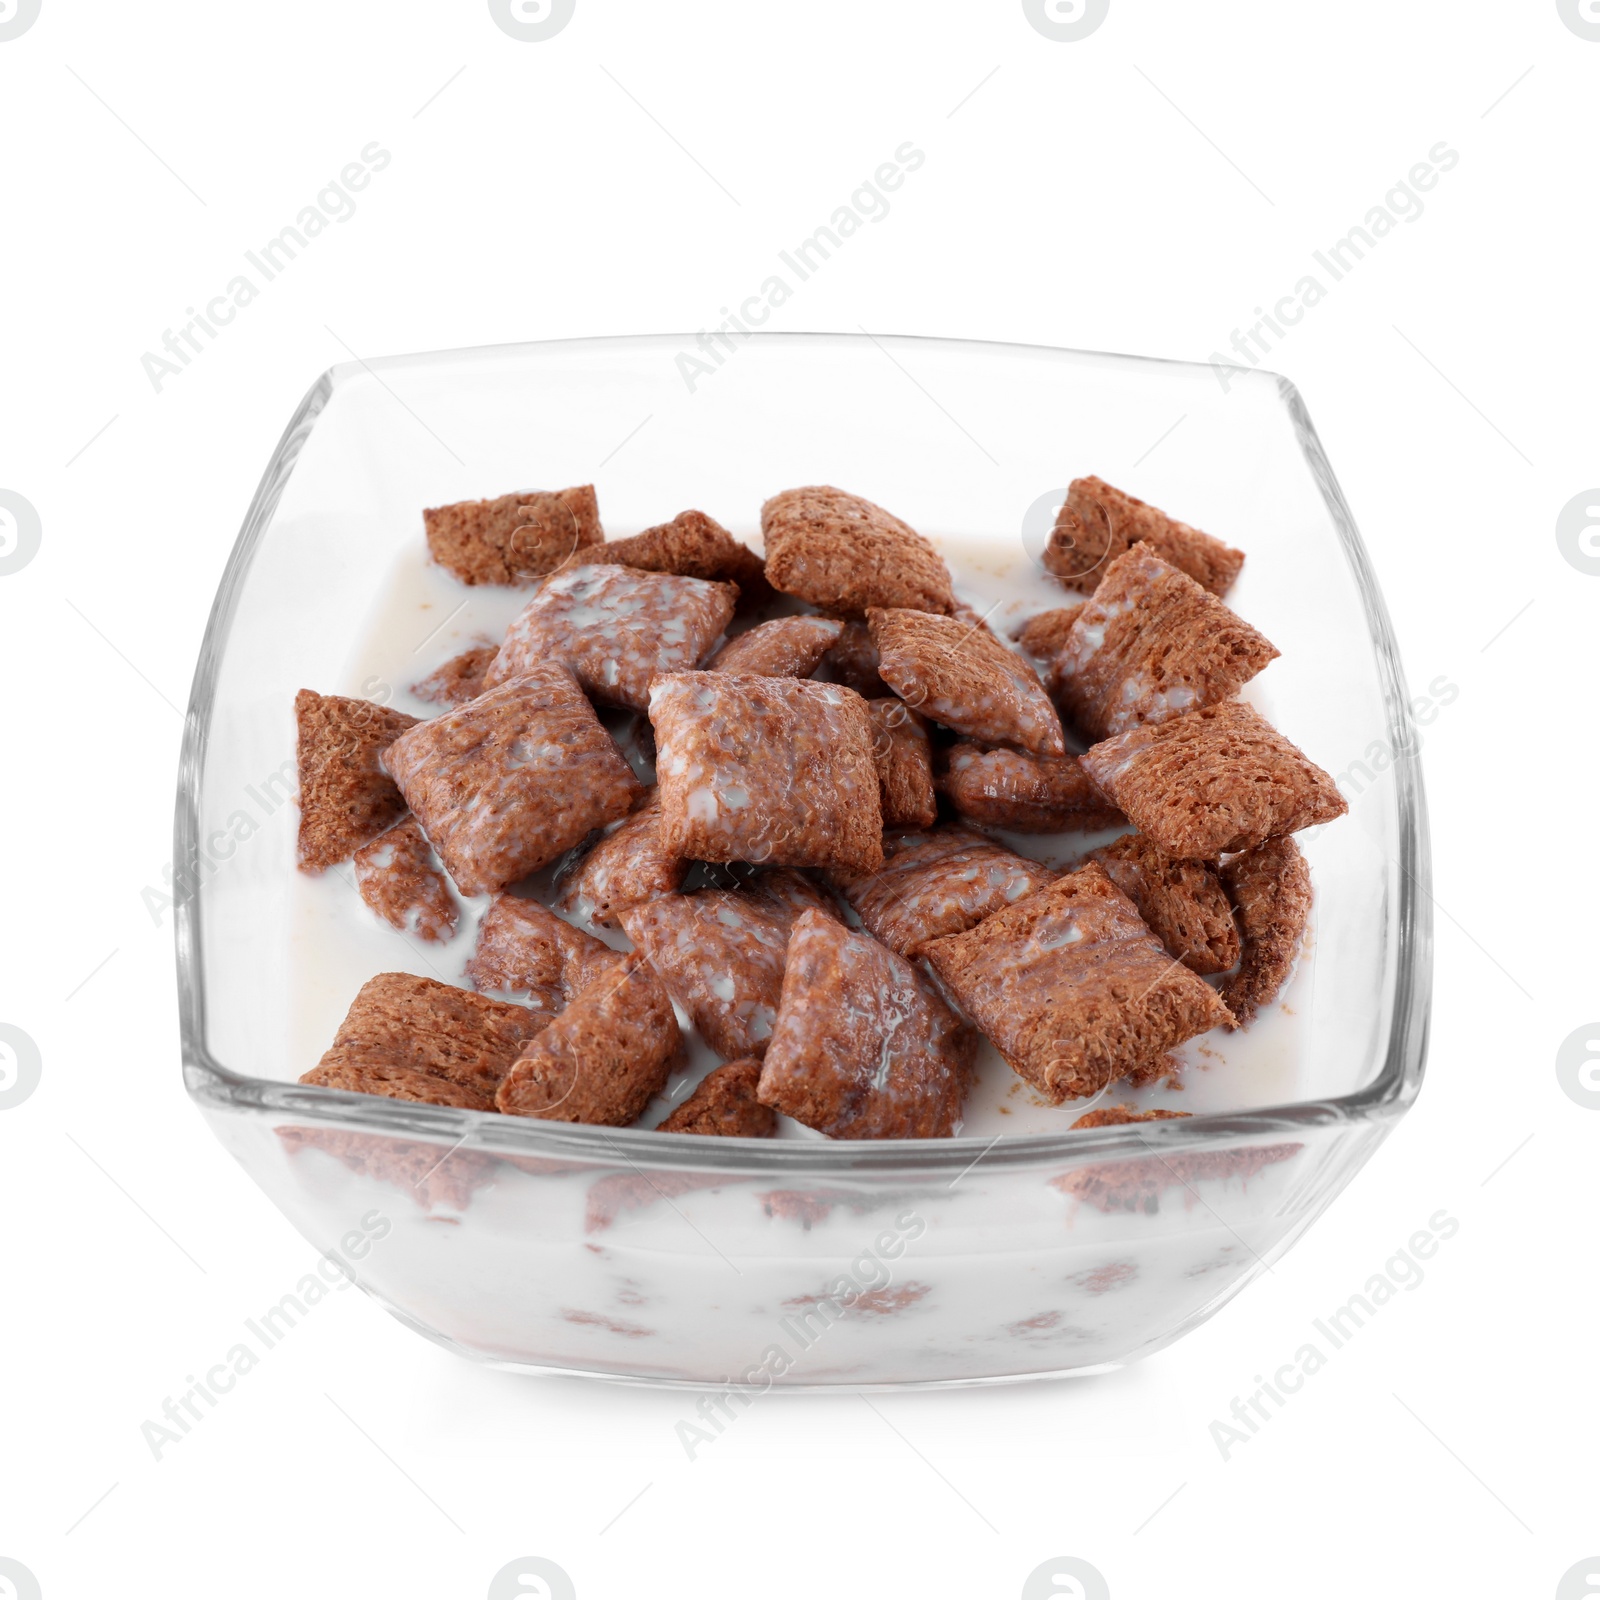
x,y
217,1088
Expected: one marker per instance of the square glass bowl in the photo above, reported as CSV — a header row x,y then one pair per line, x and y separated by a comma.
x,y
799,1263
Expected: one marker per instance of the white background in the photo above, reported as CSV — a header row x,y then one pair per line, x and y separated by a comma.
x,y
1141,190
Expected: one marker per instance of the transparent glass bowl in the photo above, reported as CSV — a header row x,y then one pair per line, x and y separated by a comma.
x,y
635,1255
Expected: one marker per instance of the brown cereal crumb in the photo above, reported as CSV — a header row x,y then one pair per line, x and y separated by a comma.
x,y
960,674
864,1046
1150,644
397,878
904,759
1213,780
787,647
939,883
624,868
725,1104
515,538
346,798
616,628
1042,636
692,545
400,1024
459,680
1098,523
854,662
771,770
505,783
523,949
1072,987
720,953
1024,793
1271,890
1116,1116
844,554
603,1058
1183,902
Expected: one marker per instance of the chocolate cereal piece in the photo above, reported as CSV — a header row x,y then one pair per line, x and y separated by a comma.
x,y
603,1058
346,797
515,538
459,680
854,662
628,866
357,1075
1271,891
1119,1116
864,1046
789,894
692,545
1217,779
397,878
939,883
1149,645
1098,523
960,674
1024,793
1072,987
787,647
1182,902
616,628
904,757
845,554
505,783
725,1105
400,1025
720,953
771,770
525,950
1042,636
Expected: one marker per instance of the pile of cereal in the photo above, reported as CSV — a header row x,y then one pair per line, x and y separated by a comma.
x,y
811,882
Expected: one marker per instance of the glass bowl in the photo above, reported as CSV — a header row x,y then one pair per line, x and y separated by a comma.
x,y
629,1254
